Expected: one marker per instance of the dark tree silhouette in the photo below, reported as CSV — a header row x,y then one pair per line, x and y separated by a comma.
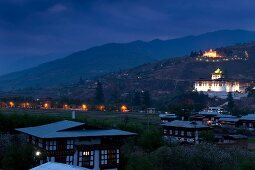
x,y
99,96
137,99
230,102
146,99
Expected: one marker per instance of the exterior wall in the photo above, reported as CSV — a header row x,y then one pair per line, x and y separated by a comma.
x,y
217,86
60,152
249,124
216,76
182,134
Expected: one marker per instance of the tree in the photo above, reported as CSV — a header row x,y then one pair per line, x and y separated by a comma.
x,y
146,99
230,102
137,99
99,96
81,81
19,157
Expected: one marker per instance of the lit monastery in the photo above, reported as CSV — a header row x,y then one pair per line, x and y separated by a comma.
x,y
211,54
217,83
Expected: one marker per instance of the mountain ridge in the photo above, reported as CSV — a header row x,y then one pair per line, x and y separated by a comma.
x,y
111,57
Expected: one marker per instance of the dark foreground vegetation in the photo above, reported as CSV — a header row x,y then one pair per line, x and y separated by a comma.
x,y
146,151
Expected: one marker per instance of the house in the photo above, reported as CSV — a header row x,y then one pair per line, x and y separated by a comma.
x,y
184,131
232,140
229,121
77,144
207,116
168,117
247,121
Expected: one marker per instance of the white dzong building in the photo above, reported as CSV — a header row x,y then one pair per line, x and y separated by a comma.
x,y
219,84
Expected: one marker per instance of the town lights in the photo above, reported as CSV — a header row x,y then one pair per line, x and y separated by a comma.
x,y
84,107
46,105
66,106
123,108
11,104
102,108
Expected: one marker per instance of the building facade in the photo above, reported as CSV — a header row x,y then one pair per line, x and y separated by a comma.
x,y
76,143
219,84
183,131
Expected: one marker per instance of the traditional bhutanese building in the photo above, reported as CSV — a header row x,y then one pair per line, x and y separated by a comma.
x,y
214,56
211,54
219,84
184,131
77,144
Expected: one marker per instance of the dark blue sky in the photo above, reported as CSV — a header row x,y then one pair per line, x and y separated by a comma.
x,y
34,31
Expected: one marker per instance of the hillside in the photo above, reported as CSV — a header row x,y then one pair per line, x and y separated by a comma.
x,y
113,57
164,78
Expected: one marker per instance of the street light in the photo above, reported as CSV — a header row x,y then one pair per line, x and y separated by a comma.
x,y
38,153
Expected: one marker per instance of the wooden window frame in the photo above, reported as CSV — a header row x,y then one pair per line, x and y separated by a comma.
x,y
86,158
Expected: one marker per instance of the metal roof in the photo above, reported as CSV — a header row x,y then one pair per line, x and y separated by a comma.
x,y
225,116
228,119
185,124
56,166
208,112
248,117
167,116
62,130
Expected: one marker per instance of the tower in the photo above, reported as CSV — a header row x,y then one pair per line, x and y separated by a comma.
x,y
217,74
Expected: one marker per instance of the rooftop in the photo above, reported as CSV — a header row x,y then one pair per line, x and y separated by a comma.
x,y
225,116
70,129
205,112
248,117
185,124
167,116
226,119
56,166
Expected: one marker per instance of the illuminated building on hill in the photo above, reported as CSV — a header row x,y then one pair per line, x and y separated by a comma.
x,y
211,54
219,84
219,56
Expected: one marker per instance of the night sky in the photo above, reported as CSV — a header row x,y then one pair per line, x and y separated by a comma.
x,y
35,31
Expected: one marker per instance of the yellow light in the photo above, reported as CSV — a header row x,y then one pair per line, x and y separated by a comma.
x,y
38,153
46,105
84,107
123,108
102,108
211,54
11,104
66,106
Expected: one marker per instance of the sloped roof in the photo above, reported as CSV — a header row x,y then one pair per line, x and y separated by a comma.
x,y
56,166
225,116
62,130
167,116
248,117
228,119
185,124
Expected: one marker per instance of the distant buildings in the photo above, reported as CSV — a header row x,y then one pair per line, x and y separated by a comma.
x,y
219,86
183,131
167,117
215,56
76,143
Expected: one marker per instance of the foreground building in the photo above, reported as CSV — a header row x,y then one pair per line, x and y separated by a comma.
x,y
76,143
184,131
